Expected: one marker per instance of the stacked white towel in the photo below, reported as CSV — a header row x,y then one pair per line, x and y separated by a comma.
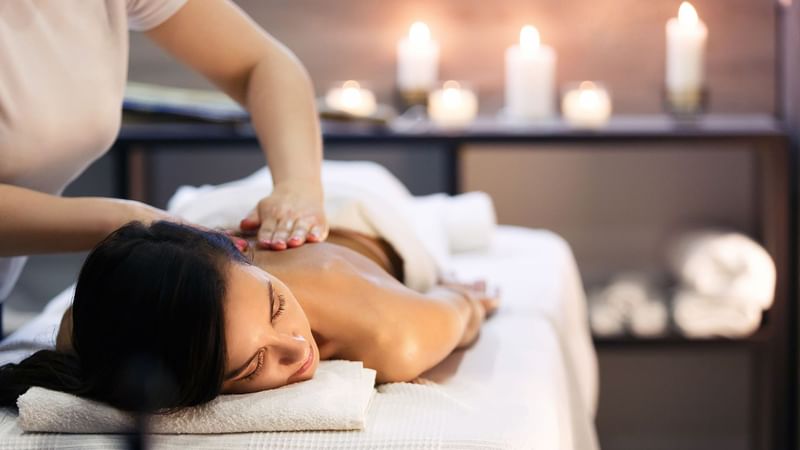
x,y
628,303
337,398
727,280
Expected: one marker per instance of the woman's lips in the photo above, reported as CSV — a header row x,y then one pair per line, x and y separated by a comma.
x,y
307,364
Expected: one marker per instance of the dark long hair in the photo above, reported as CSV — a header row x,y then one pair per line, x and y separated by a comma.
x,y
151,294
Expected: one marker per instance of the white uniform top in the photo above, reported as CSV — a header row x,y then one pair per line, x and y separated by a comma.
x,y
63,67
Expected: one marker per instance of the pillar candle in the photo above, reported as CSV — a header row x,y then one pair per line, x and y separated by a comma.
x,y
530,78
686,41
417,59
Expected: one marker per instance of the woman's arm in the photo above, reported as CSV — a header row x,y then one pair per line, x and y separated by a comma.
x,y
374,318
32,222
220,41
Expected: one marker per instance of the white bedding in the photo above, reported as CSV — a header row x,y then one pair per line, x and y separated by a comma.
x,y
530,382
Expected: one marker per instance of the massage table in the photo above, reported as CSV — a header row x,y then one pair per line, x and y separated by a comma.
x,y
529,382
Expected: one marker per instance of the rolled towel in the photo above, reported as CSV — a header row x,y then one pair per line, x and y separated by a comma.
x,y
336,398
469,219
699,316
724,265
605,319
627,292
650,319
629,302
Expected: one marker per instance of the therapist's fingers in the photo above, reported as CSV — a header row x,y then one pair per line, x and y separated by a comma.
x,y
317,233
280,236
299,234
268,227
252,222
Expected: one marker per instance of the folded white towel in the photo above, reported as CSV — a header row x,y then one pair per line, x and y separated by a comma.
x,y
336,398
724,265
699,316
468,219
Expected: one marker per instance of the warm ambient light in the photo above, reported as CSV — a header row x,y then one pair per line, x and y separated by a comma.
x,y
588,98
351,93
687,15
452,92
529,39
419,33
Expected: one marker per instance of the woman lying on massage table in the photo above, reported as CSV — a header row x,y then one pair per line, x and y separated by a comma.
x,y
218,321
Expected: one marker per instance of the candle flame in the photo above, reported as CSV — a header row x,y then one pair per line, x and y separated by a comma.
x,y
529,38
587,86
419,32
687,14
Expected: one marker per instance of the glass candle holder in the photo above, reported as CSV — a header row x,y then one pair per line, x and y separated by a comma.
x,y
586,105
455,105
351,97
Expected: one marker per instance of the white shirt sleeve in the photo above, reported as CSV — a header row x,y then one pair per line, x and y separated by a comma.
x,y
146,14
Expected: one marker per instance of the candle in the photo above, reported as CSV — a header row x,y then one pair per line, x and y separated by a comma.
x,y
417,59
453,105
588,106
686,41
530,77
351,98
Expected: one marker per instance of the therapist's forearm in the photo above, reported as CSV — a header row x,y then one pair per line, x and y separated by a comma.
x,y
32,222
280,99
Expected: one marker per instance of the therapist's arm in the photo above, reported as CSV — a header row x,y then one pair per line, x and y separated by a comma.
x,y
220,41
32,222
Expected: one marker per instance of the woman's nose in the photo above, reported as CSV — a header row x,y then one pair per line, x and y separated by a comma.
x,y
291,348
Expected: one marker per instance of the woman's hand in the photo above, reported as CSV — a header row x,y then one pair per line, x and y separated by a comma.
x,y
288,218
482,304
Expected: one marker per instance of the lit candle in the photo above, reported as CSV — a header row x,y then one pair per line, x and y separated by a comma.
x,y
417,59
453,105
352,99
588,106
530,77
686,42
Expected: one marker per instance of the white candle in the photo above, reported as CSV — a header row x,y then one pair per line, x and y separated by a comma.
x,y
530,78
686,42
452,106
588,106
352,99
417,59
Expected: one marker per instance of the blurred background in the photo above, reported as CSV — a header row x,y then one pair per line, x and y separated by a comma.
x,y
616,201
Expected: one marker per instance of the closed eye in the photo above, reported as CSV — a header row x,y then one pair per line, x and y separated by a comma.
x,y
281,306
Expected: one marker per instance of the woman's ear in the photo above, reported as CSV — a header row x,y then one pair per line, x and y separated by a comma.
x,y
64,337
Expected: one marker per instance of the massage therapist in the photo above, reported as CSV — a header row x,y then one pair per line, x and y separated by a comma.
x,y
63,68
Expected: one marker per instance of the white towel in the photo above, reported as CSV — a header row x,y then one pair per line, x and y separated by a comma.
x,y
724,265
468,219
336,398
630,301
699,316
364,197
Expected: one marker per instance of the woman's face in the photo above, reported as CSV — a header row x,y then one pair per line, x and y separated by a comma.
x,y
268,336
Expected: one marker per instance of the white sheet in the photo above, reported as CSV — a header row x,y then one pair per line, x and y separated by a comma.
x,y
530,382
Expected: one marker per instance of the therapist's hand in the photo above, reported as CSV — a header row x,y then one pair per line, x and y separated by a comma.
x,y
289,217
147,214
